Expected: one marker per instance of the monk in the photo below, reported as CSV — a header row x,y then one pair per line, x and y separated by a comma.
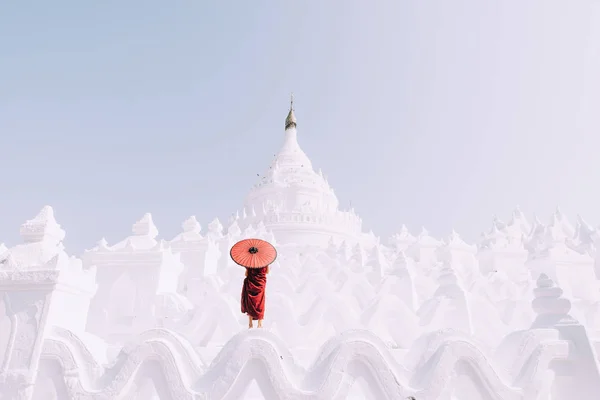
x,y
253,294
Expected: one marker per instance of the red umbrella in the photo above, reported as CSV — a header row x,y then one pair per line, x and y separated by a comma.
x,y
253,253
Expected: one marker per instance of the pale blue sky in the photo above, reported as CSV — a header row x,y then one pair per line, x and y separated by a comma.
x,y
435,113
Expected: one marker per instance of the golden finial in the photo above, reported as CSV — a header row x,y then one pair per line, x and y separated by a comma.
x,y
290,121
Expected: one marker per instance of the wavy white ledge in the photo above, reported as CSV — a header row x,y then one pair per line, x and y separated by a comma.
x,y
261,355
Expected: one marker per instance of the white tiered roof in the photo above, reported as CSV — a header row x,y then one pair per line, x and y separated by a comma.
x,y
297,203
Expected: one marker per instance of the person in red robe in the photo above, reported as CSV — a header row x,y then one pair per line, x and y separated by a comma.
x,y
253,294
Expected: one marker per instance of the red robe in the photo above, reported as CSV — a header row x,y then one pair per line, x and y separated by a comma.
x,y
253,293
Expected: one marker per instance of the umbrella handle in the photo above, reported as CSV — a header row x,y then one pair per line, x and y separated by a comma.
x,y
246,271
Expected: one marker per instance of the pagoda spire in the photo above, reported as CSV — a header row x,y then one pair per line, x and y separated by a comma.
x,y
290,120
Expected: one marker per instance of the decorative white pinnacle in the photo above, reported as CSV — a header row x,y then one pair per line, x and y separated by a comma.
x,y
191,225
551,308
447,276
400,264
376,256
42,227
145,227
517,213
234,229
332,248
454,237
215,228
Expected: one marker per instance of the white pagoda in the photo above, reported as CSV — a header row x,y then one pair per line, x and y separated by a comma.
x,y
296,203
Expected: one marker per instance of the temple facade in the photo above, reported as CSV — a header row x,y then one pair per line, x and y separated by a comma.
x,y
296,203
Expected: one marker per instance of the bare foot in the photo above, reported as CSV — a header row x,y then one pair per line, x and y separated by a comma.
x,y
260,323
250,326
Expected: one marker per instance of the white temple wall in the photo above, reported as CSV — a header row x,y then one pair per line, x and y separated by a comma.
x,y
512,263
125,296
70,308
167,277
197,263
314,316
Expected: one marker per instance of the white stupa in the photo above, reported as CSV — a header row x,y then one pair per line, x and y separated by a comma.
x,y
296,203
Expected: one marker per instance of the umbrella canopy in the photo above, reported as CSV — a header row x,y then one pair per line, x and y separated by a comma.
x,y
253,253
